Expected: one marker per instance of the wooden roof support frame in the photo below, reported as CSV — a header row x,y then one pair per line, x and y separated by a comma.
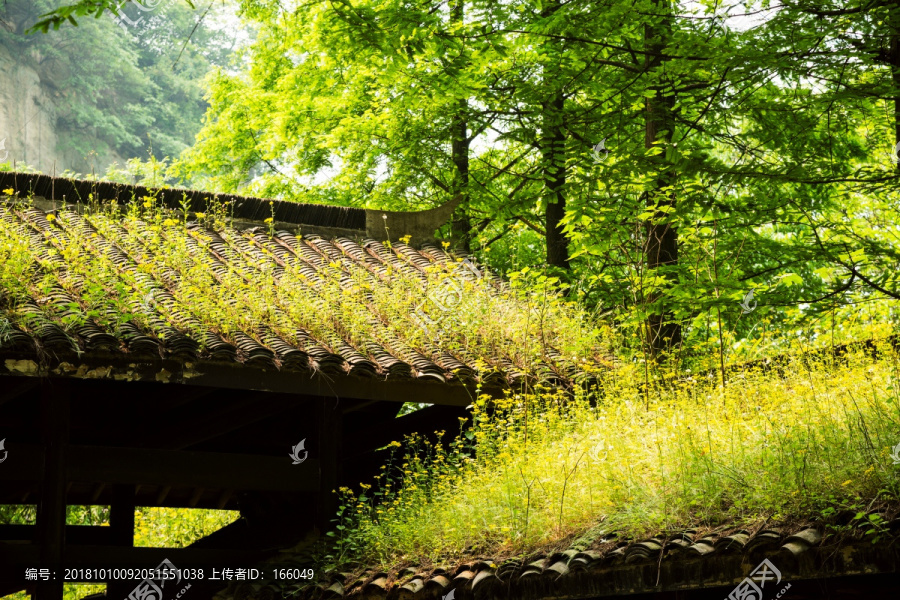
x,y
192,453
143,466
210,374
121,521
55,399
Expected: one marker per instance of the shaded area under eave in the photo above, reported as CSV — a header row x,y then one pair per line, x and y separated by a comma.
x,y
147,443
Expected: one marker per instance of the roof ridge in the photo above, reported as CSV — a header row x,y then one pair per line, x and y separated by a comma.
x,y
240,207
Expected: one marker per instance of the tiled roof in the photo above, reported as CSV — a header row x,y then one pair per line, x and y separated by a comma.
x,y
608,566
99,285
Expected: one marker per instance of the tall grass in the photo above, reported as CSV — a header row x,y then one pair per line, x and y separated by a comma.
x,y
540,467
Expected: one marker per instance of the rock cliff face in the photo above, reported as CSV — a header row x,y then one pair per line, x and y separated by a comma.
x,y
27,116
28,122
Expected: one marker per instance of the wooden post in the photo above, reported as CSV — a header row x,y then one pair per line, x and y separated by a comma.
x,y
330,428
55,397
121,521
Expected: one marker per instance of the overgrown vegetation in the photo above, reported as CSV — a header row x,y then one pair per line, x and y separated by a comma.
x,y
769,171
536,470
742,204
177,275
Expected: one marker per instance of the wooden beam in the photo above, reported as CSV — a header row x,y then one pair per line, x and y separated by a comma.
x,y
187,396
178,497
196,469
121,515
212,374
121,522
174,468
75,534
360,405
51,519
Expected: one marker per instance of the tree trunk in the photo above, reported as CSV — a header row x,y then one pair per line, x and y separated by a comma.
x,y
895,77
460,226
662,236
554,151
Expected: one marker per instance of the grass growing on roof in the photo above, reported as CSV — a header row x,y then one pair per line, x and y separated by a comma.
x,y
540,468
243,285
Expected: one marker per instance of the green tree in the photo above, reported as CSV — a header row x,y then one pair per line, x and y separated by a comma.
x,y
747,153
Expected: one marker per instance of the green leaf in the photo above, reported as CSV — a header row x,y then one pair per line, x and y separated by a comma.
x,y
791,279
